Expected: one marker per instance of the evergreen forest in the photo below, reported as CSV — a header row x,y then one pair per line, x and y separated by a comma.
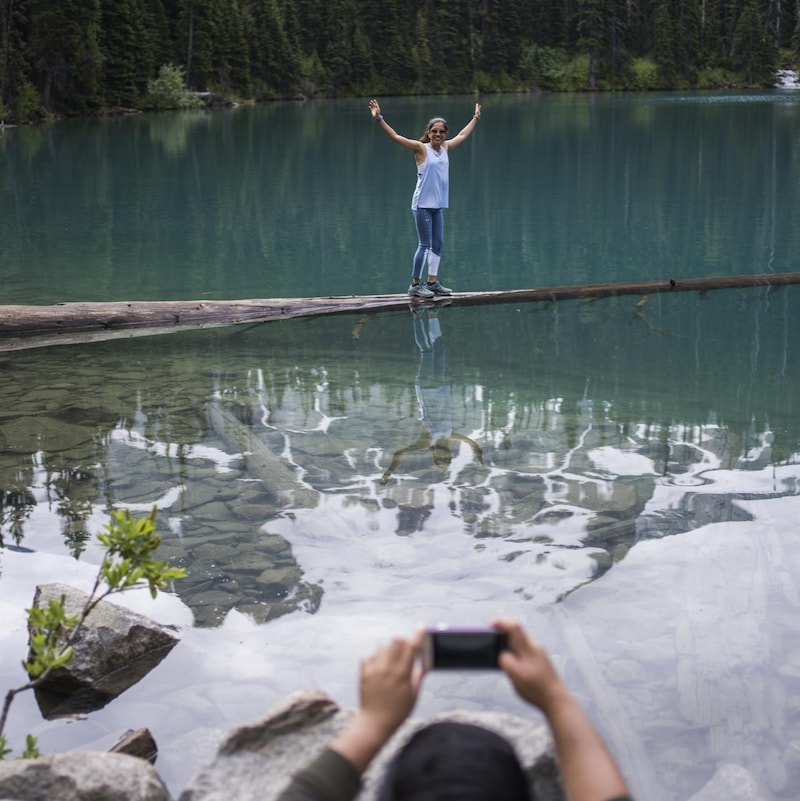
x,y
81,57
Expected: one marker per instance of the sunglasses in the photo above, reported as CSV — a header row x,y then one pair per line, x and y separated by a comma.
x,y
438,131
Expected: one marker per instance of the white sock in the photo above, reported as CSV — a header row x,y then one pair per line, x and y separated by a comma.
x,y
433,266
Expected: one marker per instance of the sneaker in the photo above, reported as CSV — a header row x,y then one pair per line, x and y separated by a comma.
x,y
437,289
420,291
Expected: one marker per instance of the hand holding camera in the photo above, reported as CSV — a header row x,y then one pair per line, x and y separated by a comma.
x,y
529,667
504,646
389,686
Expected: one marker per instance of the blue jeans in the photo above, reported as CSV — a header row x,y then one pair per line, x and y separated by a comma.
x,y
430,232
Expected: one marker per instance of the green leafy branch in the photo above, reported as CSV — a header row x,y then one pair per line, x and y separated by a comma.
x,y
127,564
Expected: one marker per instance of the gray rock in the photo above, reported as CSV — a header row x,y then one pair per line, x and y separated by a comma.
x,y
114,649
81,777
139,743
267,754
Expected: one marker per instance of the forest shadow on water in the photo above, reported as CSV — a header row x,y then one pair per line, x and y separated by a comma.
x,y
311,199
620,475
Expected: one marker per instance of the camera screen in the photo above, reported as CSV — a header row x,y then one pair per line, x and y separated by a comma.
x,y
473,649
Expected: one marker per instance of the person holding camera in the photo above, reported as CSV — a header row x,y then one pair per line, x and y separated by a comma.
x,y
455,760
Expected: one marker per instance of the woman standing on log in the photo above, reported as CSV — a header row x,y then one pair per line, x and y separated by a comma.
x,y
430,197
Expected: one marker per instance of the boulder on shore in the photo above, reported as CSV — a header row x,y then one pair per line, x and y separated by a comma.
x,y
258,760
81,777
113,650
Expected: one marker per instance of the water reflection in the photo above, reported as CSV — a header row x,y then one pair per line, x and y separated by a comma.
x,y
585,442
215,500
227,205
16,504
432,388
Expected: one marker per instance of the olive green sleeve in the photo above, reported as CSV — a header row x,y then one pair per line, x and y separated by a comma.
x,y
329,777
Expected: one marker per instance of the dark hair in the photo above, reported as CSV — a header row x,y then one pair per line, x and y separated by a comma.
x,y
426,137
449,761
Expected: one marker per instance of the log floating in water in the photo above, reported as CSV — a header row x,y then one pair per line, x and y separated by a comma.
x,y
67,323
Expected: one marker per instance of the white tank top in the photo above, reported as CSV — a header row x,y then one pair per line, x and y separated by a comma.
x,y
433,180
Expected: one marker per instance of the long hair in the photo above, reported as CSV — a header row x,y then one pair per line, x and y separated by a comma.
x,y
426,137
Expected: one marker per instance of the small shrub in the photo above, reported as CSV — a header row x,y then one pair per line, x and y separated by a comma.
x,y
542,66
169,91
502,82
24,106
644,75
128,563
713,78
575,75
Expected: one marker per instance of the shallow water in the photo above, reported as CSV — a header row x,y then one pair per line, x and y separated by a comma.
x,y
265,449
621,476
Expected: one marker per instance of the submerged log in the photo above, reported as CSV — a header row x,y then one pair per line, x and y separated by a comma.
x,y
277,477
68,323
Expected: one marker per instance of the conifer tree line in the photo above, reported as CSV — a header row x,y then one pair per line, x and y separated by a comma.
x,y
84,56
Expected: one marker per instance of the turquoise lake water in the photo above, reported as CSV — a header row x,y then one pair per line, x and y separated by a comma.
x,y
621,475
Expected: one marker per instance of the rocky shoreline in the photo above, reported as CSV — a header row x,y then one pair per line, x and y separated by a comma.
x,y
259,759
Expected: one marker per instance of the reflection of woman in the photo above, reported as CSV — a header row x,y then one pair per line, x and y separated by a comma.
x,y
433,395
431,194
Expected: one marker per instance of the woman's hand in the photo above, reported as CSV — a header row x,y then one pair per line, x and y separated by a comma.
x,y
389,686
374,108
588,770
529,668
477,113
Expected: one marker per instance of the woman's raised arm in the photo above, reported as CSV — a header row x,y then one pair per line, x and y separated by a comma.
x,y
466,130
409,144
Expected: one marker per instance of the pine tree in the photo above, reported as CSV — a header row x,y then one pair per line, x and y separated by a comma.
x,y
636,33
779,25
230,67
729,14
591,22
688,24
302,20
543,23
617,13
194,38
74,55
712,33
361,68
664,44
18,98
391,31
338,46
751,52
157,19
450,43
274,64
501,27
423,59
65,53
127,53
